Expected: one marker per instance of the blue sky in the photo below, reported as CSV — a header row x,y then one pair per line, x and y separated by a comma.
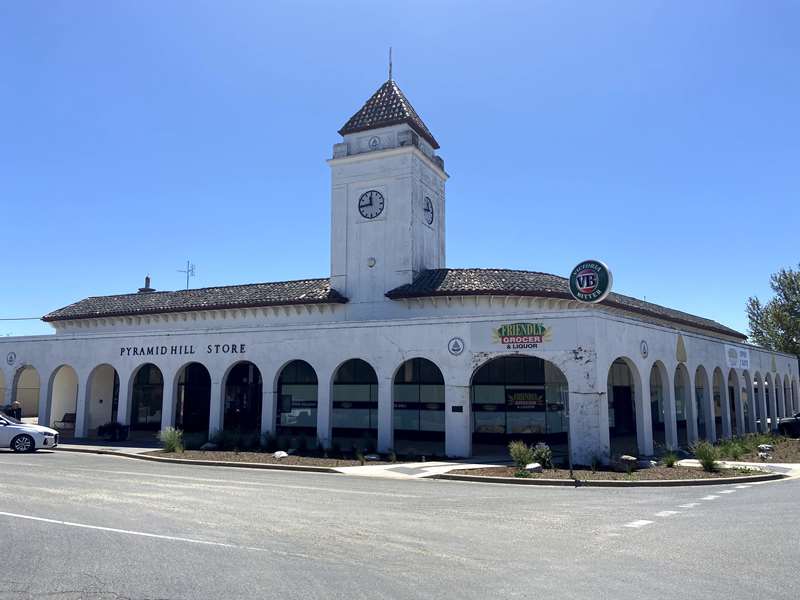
x,y
661,137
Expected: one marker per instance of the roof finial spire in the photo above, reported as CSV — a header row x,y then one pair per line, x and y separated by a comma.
x,y
390,63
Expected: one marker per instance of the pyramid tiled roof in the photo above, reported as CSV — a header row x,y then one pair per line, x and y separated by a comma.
x,y
388,106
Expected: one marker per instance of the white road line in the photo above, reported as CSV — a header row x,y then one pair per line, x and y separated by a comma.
x,y
709,497
639,523
667,513
689,505
742,487
727,491
157,536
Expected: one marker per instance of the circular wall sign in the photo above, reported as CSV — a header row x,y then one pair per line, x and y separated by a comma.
x,y
644,349
590,281
12,356
455,346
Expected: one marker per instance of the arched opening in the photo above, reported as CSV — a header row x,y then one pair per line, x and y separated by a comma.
x,y
701,395
418,398
622,385
64,400
683,404
3,393
354,419
731,398
25,394
103,399
193,403
243,399
296,413
658,402
518,398
147,395
795,397
719,388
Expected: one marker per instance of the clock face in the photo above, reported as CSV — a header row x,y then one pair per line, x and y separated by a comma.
x,y
370,204
427,210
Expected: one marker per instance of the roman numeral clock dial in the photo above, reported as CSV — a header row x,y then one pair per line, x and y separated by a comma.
x,y
370,204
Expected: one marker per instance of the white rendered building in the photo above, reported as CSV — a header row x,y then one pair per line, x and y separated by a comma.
x,y
394,349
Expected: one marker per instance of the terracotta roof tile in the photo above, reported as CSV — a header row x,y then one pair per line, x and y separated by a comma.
x,y
305,291
388,106
505,282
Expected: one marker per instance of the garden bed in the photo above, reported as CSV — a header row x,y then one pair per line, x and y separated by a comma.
x,y
263,458
605,474
787,450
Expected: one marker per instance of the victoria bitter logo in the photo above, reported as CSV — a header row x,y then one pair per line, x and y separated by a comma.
x,y
590,281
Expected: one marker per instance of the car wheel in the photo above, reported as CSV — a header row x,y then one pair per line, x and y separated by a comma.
x,y
23,443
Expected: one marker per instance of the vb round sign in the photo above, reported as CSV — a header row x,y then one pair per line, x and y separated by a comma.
x,y
590,281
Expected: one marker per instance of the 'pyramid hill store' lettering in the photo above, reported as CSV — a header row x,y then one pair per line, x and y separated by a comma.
x,y
395,350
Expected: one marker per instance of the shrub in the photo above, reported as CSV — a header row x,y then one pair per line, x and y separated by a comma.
x,y
392,456
543,455
669,459
520,453
171,439
360,457
596,461
522,473
707,455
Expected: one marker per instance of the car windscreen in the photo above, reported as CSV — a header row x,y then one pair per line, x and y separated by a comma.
x,y
11,420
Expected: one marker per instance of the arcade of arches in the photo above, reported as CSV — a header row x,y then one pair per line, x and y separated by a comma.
x,y
510,397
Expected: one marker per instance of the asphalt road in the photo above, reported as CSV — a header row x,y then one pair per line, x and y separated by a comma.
x,y
97,527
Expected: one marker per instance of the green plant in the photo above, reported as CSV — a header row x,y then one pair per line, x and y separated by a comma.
x,y
543,455
171,439
360,457
392,456
520,453
669,459
707,455
522,473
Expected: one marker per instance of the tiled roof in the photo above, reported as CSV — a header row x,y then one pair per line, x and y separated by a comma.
x,y
305,291
505,282
387,106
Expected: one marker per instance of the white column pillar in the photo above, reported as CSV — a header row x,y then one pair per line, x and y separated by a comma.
x,y
45,396
670,411
216,412
457,421
725,407
325,408
787,398
124,401
711,421
778,385
269,402
644,418
762,406
385,415
690,408
168,398
82,404
738,405
751,406
773,408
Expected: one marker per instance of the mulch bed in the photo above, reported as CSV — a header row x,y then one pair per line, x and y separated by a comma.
x,y
263,457
654,473
787,450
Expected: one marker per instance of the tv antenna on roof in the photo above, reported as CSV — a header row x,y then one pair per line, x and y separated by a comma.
x,y
189,270
390,63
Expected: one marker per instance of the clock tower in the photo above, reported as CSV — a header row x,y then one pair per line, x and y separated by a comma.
x,y
387,199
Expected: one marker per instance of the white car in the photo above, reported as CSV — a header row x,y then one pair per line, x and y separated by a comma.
x,y
22,437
